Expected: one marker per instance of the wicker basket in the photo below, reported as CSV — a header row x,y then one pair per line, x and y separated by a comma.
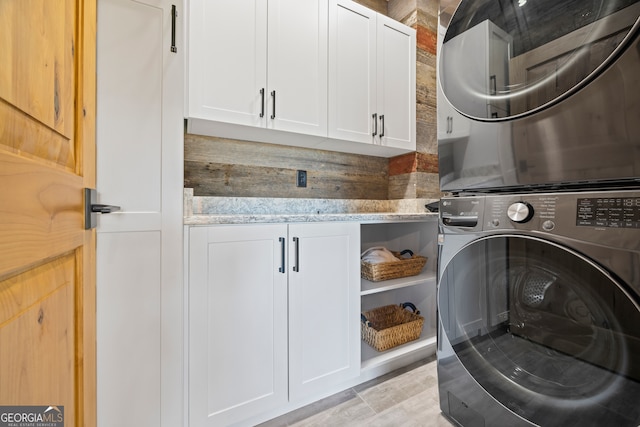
x,y
390,326
404,267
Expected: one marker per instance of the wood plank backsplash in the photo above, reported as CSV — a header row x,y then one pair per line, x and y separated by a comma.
x,y
223,167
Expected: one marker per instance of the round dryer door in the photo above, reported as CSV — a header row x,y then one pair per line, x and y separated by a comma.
x,y
544,330
507,58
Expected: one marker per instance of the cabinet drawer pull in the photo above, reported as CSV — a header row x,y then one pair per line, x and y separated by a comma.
x,y
382,125
296,266
273,111
262,102
174,15
375,124
282,243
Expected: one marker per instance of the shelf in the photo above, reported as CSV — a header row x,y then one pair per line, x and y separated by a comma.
x,y
367,287
372,358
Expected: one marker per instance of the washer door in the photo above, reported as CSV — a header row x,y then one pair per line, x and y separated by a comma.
x,y
544,330
507,58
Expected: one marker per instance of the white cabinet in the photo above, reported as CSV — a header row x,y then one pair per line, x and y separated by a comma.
x,y
237,322
324,333
273,316
258,63
372,77
139,155
421,238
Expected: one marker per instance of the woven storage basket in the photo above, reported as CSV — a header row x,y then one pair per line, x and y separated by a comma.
x,y
390,326
404,267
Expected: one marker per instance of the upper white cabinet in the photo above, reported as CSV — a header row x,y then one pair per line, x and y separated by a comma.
x,y
372,77
327,74
258,63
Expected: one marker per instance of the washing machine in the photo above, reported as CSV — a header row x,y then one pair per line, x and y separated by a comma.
x,y
539,309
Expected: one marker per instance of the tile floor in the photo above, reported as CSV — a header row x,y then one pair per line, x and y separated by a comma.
x,y
406,397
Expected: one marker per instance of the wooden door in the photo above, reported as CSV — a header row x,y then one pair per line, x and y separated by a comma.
x,y
47,259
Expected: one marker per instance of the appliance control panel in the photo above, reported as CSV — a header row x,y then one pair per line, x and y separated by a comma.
x,y
612,212
557,213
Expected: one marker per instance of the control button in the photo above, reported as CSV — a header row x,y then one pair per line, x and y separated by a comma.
x,y
520,212
548,225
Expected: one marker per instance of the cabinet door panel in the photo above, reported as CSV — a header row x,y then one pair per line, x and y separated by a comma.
x,y
237,322
352,71
396,84
324,335
228,60
297,66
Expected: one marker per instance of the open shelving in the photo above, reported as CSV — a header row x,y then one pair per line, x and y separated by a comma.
x,y
421,238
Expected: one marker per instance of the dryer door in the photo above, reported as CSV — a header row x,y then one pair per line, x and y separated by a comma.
x,y
544,330
505,58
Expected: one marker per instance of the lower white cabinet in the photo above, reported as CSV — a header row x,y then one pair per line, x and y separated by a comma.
x,y
273,316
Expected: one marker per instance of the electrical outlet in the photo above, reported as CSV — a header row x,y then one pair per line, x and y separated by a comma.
x,y
301,178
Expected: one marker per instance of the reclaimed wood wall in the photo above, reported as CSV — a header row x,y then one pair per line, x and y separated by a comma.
x,y
224,167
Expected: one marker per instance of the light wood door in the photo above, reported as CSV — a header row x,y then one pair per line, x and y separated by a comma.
x,y
47,259
324,306
237,322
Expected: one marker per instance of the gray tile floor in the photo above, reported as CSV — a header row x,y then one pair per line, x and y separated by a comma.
x,y
407,397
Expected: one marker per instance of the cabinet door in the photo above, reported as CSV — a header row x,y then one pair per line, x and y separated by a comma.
x,y
228,60
139,249
396,94
297,66
352,71
237,322
324,281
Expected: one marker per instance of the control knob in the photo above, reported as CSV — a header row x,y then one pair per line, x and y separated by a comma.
x,y
520,212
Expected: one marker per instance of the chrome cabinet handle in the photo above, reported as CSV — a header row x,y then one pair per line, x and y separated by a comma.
x,y
382,125
375,124
282,244
296,266
273,112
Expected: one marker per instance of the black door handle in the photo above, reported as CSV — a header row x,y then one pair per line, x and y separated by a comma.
x,y
104,209
91,208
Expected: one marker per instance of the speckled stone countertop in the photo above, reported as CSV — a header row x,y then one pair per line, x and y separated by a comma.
x,y
246,210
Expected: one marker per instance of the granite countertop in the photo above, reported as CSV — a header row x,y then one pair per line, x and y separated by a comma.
x,y
247,210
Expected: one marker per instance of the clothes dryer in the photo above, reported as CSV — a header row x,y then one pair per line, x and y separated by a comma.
x,y
538,95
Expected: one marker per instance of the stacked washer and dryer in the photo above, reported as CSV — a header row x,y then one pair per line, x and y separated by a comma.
x,y
539,245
